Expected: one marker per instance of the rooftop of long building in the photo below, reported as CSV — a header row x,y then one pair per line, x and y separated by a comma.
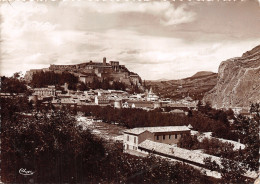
x,y
140,130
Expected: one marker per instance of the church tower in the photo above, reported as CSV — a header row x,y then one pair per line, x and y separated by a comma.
x,y
104,61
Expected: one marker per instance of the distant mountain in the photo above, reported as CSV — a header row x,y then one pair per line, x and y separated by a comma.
x,y
202,73
238,82
195,86
159,80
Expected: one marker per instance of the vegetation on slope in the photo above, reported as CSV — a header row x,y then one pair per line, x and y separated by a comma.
x,y
132,118
195,86
43,79
57,150
12,84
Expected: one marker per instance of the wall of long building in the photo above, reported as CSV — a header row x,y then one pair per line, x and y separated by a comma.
x,y
131,141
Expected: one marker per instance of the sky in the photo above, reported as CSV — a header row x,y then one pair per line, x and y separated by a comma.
x,y
156,39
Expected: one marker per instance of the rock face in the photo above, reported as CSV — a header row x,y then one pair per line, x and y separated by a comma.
x,y
238,82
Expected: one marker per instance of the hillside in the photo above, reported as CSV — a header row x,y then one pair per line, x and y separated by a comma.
x,y
238,83
195,86
90,72
202,73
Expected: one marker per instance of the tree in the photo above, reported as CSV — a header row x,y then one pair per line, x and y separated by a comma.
x,y
50,144
190,113
252,139
248,132
211,165
199,105
235,164
13,84
43,79
189,142
254,109
231,170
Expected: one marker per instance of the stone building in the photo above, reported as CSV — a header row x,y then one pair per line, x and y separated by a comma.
x,y
86,78
102,100
152,96
49,91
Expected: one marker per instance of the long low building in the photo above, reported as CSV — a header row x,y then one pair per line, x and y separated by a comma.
x,y
163,141
188,156
166,134
177,153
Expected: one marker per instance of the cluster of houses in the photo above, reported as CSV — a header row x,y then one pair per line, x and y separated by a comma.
x,y
114,98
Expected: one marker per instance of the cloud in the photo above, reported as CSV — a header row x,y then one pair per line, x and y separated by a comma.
x,y
26,40
178,16
154,39
131,51
166,12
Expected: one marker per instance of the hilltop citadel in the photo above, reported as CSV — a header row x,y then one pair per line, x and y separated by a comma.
x,y
88,71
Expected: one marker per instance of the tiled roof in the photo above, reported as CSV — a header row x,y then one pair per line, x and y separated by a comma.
x,y
177,152
192,156
157,129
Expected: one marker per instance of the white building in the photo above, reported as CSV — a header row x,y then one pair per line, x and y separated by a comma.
x,y
167,134
152,96
49,91
102,100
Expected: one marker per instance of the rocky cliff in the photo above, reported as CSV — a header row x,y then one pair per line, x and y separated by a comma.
x,y
238,83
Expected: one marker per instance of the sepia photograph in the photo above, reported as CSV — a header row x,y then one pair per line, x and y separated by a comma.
x,y
130,91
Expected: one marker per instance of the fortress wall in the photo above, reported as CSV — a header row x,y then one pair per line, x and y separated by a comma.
x,y
118,75
57,67
90,71
86,79
126,81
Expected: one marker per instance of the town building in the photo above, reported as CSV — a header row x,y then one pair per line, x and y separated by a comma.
x,y
86,78
102,100
49,91
11,95
182,104
179,112
118,104
167,135
140,104
152,96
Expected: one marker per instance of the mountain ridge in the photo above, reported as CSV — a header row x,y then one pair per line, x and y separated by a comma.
x,y
202,73
195,86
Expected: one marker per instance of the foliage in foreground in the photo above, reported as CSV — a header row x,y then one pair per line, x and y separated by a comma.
x,y
59,151
236,164
210,146
52,146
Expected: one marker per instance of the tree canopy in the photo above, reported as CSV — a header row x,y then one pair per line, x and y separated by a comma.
x,y
58,150
13,84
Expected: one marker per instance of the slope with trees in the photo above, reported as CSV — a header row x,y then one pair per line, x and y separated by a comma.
x,y
57,150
